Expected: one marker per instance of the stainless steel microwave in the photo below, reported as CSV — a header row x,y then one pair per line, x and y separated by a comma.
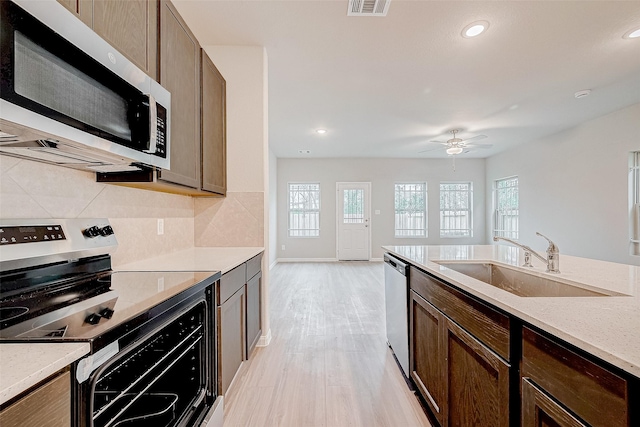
x,y
69,98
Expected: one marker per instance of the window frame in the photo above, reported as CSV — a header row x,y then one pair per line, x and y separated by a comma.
x,y
510,234
304,211
634,203
464,233
425,219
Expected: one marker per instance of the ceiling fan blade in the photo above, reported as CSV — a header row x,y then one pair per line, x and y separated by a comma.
x,y
478,137
431,149
438,142
482,146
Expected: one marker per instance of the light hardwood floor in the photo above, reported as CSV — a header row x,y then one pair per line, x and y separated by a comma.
x,y
328,363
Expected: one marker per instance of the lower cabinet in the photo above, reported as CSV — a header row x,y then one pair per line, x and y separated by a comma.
x,y
563,388
476,366
238,323
254,301
540,410
463,382
477,382
231,349
47,406
426,349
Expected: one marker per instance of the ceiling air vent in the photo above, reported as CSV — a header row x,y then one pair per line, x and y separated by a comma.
x,y
368,7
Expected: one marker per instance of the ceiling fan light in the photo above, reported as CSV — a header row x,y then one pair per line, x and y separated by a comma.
x,y
454,150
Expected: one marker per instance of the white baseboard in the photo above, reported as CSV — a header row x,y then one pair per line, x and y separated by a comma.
x,y
376,259
273,264
264,339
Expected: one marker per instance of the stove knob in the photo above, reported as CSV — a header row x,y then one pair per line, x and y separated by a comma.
x,y
106,231
91,232
93,319
107,313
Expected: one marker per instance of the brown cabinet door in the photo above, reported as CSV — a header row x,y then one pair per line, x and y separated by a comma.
x,y
477,382
539,410
231,338
132,28
83,9
47,406
180,75
214,131
595,394
426,353
254,326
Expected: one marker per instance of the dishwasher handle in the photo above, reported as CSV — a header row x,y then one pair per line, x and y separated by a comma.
x,y
396,264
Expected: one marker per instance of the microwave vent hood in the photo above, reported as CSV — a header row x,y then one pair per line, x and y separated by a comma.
x,y
22,142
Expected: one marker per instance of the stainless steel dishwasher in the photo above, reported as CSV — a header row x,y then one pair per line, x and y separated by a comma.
x,y
395,297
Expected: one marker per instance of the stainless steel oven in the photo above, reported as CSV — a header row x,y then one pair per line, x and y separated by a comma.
x,y
152,361
96,110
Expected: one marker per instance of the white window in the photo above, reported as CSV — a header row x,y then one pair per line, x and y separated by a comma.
x,y
456,216
411,209
304,210
506,214
634,201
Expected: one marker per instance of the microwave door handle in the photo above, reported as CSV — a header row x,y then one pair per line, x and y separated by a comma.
x,y
153,126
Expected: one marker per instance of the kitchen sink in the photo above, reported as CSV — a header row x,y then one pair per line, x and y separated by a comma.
x,y
521,283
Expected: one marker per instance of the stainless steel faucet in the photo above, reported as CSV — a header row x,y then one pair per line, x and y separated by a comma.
x,y
553,254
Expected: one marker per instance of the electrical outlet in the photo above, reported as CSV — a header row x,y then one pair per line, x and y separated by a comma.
x,y
377,211
161,284
160,226
283,247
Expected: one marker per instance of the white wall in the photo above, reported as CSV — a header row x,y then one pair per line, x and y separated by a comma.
x,y
574,187
383,174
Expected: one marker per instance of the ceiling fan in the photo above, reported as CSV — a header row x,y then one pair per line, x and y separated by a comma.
x,y
457,145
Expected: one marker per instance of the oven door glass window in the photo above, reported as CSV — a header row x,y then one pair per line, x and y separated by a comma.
x,y
158,382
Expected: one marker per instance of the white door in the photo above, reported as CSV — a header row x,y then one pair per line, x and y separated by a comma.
x,y
353,225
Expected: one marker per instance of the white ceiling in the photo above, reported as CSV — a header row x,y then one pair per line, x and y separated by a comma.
x,y
384,86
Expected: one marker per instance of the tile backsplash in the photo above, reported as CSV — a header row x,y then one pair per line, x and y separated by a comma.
x,y
37,190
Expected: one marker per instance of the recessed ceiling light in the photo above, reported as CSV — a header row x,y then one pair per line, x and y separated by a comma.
x,y
475,29
321,131
632,34
582,93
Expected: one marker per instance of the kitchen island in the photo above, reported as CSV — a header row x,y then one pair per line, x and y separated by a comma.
x,y
486,354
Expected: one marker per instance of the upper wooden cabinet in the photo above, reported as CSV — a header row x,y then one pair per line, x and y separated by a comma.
x,y
180,75
129,26
83,9
214,128
153,35
132,28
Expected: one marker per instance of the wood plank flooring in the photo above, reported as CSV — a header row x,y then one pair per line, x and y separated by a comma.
x,y
328,363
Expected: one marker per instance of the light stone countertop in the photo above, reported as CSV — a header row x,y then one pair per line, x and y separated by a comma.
x,y
24,365
607,327
196,259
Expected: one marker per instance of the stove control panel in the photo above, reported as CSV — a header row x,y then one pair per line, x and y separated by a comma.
x,y
14,235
